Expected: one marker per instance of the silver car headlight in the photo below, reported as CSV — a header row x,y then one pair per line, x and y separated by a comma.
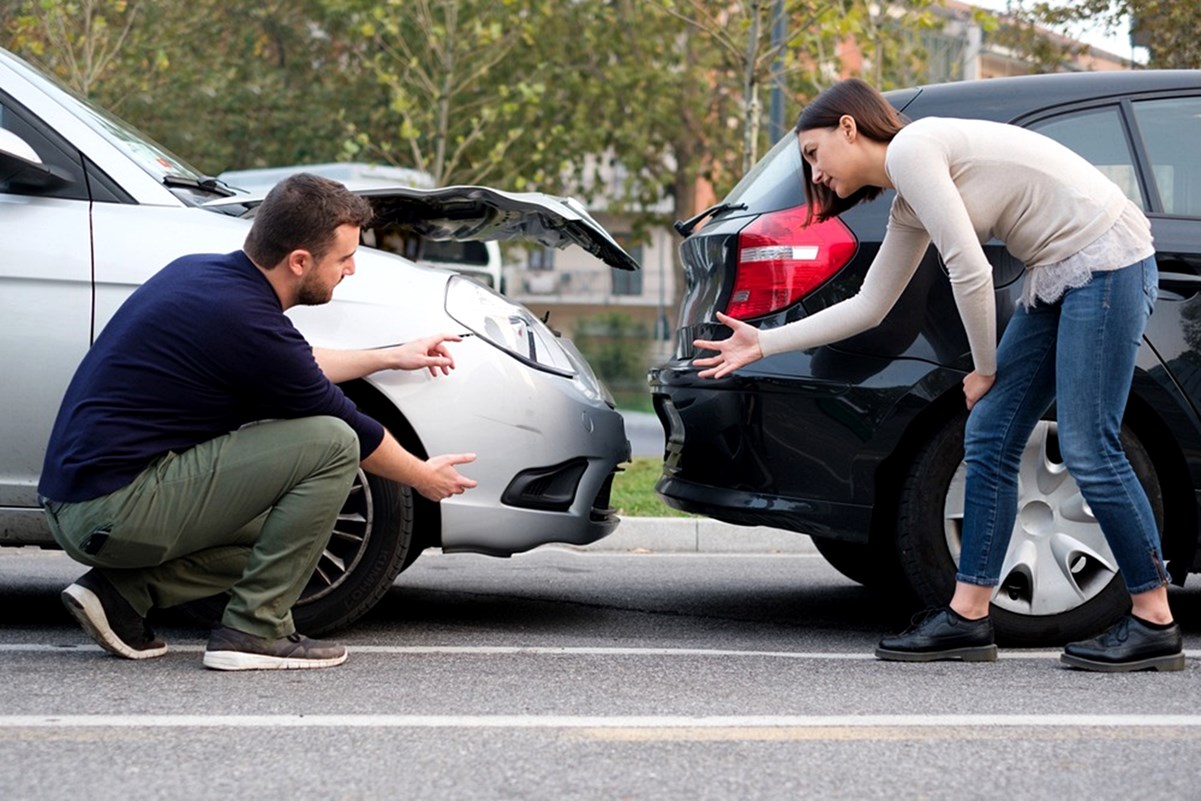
x,y
515,330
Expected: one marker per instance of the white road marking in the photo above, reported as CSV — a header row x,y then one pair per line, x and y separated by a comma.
x,y
661,722
519,650
534,650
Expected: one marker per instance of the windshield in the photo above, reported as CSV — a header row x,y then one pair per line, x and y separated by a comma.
x,y
150,156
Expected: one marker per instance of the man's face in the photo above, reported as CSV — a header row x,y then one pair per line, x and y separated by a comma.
x,y
323,275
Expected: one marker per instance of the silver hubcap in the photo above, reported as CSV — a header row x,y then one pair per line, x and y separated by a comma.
x,y
1058,558
347,543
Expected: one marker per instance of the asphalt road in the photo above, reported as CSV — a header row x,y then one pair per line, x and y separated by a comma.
x,y
563,674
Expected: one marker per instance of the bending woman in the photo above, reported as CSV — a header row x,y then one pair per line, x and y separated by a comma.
x,y
1090,285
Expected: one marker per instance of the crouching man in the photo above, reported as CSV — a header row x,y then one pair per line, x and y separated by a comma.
x,y
203,446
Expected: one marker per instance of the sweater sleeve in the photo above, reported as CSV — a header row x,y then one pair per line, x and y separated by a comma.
x,y
889,274
920,170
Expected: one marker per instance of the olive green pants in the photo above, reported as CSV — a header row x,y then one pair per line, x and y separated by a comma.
x,y
249,512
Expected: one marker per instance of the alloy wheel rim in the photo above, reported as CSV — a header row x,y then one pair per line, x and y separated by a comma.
x,y
347,543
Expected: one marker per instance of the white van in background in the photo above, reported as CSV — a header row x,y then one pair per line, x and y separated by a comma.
x,y
478,260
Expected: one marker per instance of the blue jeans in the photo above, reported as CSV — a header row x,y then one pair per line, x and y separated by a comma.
x,y
1080,354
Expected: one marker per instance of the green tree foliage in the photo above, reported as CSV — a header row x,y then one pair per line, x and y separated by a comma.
x,y
454,104
83,40
1167,28
627,100
224,83
631,101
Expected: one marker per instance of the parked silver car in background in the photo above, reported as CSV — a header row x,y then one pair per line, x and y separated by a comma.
x,y
89,209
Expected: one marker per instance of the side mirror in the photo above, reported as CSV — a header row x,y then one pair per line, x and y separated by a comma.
x,y
20,165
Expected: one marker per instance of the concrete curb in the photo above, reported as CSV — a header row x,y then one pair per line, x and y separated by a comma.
x,y
700,535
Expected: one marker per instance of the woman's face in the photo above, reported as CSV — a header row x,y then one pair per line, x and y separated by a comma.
x,y
833,158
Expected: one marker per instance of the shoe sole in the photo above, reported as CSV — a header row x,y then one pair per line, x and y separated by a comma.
x,y
976,653
85,607
240,660
1172,662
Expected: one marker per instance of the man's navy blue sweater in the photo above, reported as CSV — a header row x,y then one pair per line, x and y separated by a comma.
x,y
198,351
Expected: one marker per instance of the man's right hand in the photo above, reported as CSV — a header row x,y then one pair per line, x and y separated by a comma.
x,y
441,479
435,478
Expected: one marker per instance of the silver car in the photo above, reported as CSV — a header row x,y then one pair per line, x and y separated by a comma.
x,y
89,209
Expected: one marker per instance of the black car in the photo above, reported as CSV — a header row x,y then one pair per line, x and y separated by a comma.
x,y
860,444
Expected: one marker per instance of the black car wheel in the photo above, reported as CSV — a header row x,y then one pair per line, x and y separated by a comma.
x,y
869,564
1059,581
851,559
372,542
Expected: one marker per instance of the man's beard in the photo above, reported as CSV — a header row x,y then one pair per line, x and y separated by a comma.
x,y
312,293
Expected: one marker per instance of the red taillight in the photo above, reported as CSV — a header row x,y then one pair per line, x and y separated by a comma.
x,y
780,261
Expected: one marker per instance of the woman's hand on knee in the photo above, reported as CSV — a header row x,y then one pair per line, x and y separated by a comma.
x,y
976,386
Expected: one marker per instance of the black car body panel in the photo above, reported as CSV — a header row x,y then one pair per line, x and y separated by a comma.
x,y
818,441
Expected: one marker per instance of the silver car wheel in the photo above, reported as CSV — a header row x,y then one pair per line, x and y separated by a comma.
x,y
1058,558
347,543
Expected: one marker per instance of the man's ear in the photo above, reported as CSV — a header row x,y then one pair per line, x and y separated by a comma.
x,y
298,261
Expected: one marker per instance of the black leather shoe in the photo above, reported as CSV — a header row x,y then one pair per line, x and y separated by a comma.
x,y
941,634
1128,645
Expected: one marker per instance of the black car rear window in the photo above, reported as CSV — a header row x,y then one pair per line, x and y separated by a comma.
x,y
775,183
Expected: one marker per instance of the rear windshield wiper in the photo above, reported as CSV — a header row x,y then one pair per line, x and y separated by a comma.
x,y
685,227
203,184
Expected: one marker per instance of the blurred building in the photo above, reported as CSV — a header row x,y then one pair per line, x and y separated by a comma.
x,y
962,50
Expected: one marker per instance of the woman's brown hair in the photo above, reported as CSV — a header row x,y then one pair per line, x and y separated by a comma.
x,y
874,118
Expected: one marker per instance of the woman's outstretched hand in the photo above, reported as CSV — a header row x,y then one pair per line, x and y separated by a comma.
x,y
739,350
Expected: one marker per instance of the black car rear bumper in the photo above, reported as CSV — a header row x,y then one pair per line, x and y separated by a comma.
x,y
799,456
812,516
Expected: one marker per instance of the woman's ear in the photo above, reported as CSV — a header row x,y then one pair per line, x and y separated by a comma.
x,y
847,127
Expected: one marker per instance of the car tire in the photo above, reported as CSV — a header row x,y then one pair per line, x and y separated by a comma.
x,y
1035,604
865,563
371,543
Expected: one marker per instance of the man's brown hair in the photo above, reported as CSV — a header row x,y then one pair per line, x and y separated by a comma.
x,y
874,118
302,212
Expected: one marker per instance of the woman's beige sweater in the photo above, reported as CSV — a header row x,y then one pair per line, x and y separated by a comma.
x,y
960,183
